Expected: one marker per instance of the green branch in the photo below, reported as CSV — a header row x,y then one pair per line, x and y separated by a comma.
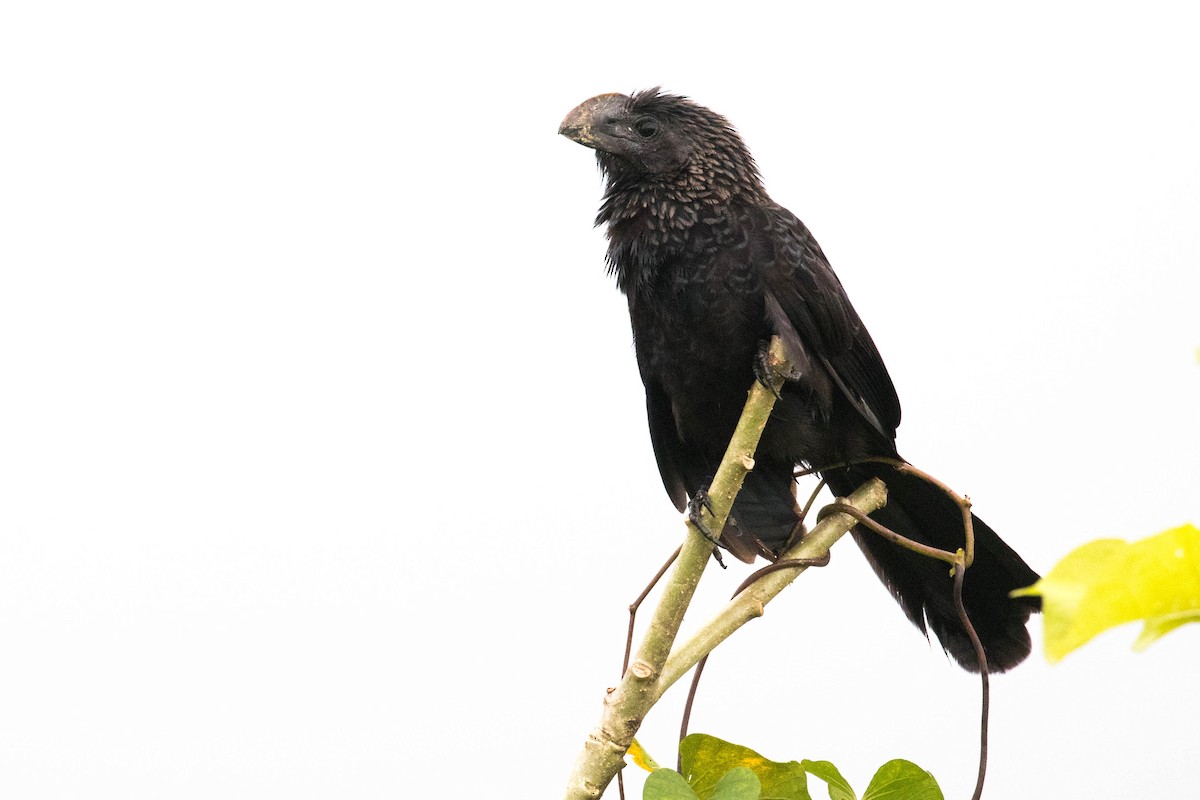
x,y
646,679
750,602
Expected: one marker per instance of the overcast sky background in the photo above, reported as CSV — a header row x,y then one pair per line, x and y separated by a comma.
x,y
323,460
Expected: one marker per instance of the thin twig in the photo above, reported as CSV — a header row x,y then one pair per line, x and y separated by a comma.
x,y
687,708
902,466
636,604
891,535
981,657
812,498
783,563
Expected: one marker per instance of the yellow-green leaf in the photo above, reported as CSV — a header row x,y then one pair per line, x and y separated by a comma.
x,y
707,759
902,780
739,783
1161,626
641,757
667,784
839,787
1110,582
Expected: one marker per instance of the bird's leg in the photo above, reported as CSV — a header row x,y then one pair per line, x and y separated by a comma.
x,y
697,505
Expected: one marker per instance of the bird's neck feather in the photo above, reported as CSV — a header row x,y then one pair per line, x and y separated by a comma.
x,y
654,221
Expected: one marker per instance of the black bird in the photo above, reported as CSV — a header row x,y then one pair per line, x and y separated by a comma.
x,y
712,267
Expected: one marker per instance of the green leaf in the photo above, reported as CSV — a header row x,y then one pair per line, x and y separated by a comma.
x,y
707,759
902,780
667,784
740,783
641,757
839,789
1110,582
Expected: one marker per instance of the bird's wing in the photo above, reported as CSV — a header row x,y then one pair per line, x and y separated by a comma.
x,y
809,310
667,446
765,507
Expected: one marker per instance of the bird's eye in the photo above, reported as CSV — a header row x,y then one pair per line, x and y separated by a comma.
x,y
646,127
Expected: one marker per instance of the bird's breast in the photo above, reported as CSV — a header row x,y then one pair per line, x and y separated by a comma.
x,y
696,330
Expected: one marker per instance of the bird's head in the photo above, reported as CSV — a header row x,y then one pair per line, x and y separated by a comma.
x,y
640,131
661,137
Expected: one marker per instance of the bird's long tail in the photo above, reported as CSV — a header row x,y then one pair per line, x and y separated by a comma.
x,y
920,511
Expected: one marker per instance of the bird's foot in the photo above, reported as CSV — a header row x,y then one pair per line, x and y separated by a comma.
x,y
767,371
697,505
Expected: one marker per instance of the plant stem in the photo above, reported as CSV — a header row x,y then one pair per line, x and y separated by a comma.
x,y
644,682
749,603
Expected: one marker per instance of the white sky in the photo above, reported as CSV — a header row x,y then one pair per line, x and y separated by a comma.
x,y
323,463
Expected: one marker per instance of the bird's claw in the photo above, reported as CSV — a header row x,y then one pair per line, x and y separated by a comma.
x,y
697,505
767,373
699,501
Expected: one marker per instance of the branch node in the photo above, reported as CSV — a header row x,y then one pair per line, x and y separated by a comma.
x,y
642,670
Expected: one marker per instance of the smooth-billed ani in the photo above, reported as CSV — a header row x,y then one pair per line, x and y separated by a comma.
x,y
712,267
